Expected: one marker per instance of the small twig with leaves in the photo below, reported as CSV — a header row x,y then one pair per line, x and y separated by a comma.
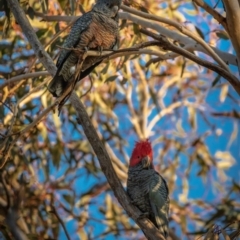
x,y
147,23
165,43
11,212
54,211
183,30
23,76
213,12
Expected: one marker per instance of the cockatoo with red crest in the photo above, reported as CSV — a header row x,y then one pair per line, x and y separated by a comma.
x,y
147,188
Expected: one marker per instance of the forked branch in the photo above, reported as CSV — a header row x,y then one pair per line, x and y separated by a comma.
x,y
148,228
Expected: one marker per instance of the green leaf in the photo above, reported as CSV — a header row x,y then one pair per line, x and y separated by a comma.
x,y
216,80
200,32
105,69
183,67
32,236
68,198
143,9
56,152
136,28
124,81
41,32
72,6
30,12
63,3
112,78
57,27
222,34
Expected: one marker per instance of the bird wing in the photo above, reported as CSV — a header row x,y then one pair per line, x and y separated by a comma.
x,y
74,37
58,84
159,200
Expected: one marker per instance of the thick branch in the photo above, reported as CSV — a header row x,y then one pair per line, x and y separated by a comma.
x,y
232,8
11,214
11,221
27,29
183,30
164,43
227,57
148,228
213,12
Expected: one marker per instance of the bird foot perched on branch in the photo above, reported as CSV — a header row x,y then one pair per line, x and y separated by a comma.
x,y
100,49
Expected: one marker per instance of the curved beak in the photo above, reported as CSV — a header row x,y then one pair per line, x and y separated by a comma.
x,y
146,162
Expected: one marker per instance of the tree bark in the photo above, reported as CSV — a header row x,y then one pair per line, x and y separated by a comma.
x,y
145,224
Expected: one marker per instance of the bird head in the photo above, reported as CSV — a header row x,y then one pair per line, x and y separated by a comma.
x,y
108,7
142,153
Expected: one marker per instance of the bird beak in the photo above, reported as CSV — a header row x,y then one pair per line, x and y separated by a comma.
x,y
146,162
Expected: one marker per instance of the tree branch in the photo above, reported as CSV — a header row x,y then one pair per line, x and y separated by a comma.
x,y
182,29
147,227
23,76
145,224
54,211
213,12
167,45
27,29
227,57
11,214
232,8
163,42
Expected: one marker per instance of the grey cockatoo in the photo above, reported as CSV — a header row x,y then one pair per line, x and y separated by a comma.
x,y
95,30
147,188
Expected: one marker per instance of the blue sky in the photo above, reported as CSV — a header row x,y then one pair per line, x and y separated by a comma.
x,y
198,188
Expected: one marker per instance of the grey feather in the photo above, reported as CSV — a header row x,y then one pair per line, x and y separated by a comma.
x,y
73,38
83,35
149,193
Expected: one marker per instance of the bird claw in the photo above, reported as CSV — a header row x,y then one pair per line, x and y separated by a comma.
x,y
85,53
100,49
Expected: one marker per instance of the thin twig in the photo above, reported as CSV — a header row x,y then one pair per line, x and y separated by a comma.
x,y
6,151
9,132
56,18
163,42
105,162
3,174
23,76
103,53
182,29
90,88
11,213
54,211
149,229
48,44
227,57
213,12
